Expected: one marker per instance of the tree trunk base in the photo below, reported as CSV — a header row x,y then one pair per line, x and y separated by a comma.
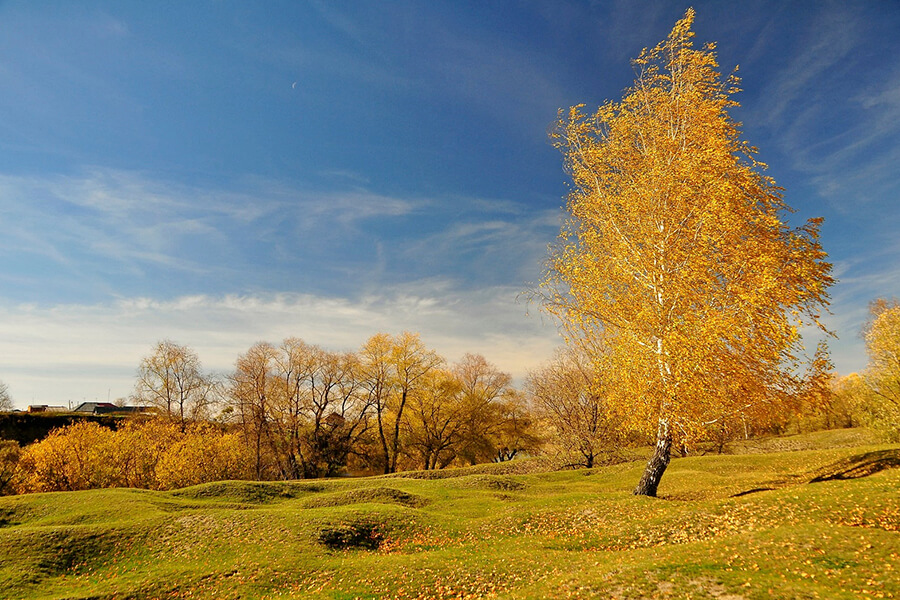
x,y
656,466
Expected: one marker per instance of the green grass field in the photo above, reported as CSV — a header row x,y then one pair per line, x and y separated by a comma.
x,y
819,521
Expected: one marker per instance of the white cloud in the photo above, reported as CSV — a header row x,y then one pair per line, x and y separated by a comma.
x,y
61,353
129,205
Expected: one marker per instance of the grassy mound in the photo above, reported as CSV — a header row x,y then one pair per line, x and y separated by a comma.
x,y
815,522
251,492
817,440
488,482
360,496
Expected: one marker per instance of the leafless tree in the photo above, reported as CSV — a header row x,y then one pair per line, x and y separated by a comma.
x,y
172,380
6,403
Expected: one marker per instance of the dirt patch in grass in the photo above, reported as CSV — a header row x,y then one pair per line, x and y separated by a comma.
x,y
359,535
14,515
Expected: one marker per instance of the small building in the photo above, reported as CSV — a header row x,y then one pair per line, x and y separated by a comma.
x,y
45,408
107,408
96,408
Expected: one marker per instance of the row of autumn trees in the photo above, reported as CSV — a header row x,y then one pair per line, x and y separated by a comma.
x,y
289,411
296,410
394,404
872,397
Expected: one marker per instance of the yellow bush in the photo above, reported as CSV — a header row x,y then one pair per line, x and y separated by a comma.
x,y
152,454
201,455
138,447
77,457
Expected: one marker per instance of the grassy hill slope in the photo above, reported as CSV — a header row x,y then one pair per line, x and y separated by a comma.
x,y
801,524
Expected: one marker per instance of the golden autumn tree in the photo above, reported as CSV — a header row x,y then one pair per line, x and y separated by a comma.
x,y
675,255
394,367
254,391
883,372
75,457
434,420
486,402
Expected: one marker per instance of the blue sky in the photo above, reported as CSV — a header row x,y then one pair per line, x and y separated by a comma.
x,y
220,173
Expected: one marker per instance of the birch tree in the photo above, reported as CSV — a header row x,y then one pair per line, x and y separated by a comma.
x,y
676,253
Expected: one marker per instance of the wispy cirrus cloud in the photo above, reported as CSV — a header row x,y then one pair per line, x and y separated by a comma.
x,y
835,128
124,233
824,47
457,61
835,124
115,224
494,248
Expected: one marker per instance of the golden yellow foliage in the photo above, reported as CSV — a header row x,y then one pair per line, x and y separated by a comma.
x,y
152,454
77,457
138,447
433,421
9,458
201,455
883,372
394,367
675,253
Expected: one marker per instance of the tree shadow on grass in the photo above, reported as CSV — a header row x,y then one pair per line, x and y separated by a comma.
x,y
858,466
853,467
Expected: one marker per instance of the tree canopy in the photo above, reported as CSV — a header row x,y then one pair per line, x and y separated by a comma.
x,y
172,380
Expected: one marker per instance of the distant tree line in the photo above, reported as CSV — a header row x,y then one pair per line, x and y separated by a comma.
x,y
304,411
288,411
